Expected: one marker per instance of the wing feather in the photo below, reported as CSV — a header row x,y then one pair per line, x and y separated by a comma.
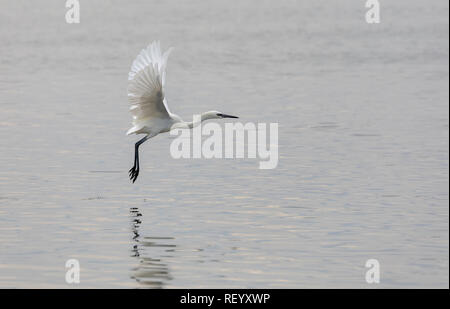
x,y
146,81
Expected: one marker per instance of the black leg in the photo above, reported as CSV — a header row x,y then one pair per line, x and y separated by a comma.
x,y
134,171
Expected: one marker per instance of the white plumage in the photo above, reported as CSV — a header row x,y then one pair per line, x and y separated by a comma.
x,y
146,82
149,109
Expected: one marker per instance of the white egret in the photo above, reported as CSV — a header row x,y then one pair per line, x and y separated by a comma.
x,y
151,115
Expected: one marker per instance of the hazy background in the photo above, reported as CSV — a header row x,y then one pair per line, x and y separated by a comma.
x,y
363,142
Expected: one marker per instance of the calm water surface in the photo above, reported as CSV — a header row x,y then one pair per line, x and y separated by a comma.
x,y
363,144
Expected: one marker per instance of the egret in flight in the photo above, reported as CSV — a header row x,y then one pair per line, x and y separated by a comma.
x,y
149,109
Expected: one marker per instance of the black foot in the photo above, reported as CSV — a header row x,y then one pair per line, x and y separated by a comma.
x,y
134,173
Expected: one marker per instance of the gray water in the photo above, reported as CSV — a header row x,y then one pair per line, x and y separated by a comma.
x,y
363,146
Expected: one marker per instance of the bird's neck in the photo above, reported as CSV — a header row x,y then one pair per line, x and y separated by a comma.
x,y
197,119
185,124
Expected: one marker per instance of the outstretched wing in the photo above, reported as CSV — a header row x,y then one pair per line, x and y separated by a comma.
x,y
146,84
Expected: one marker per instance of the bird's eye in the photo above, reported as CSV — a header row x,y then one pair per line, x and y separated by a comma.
x,y
219,115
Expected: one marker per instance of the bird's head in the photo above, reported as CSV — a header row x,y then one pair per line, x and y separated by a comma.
x,y
216,115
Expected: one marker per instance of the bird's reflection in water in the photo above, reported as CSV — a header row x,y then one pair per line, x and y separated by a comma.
x,y
151,270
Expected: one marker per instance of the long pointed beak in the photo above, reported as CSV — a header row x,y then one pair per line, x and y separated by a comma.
x,y
229,116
